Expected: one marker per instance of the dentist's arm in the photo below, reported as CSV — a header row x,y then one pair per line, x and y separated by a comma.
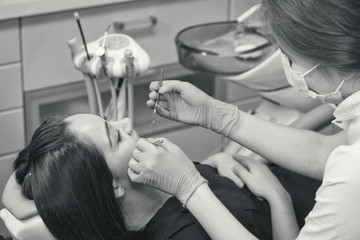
x,y
299,150
215,218
263,183
167,168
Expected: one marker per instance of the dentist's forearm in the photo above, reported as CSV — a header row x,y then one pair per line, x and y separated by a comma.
x,y
299,150
215,218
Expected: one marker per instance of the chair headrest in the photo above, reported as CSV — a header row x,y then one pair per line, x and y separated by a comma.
x,y
29,229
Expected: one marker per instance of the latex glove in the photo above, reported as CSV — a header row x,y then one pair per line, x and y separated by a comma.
x,y
225,165
257,177
165,167
183,102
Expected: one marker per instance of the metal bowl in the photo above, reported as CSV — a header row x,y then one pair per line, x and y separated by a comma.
x,y
223,48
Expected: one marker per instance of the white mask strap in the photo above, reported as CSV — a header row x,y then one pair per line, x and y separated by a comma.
x,y
310,70
342,82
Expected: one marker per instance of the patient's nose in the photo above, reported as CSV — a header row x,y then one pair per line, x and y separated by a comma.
x,y
125,125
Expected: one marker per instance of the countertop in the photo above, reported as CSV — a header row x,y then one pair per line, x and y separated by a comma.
x,y
10,9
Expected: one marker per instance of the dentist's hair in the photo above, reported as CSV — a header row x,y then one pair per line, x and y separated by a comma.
x,y
326,31
71,185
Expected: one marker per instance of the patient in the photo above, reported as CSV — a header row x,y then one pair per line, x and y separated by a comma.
x,y
75,170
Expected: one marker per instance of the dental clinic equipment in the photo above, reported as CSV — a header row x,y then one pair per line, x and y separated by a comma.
x,y
117,58
157,99
240,51
90,81
101,53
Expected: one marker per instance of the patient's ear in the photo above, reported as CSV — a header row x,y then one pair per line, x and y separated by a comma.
x,y
118,189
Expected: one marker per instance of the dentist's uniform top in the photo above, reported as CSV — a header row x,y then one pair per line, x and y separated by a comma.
x,y
336,214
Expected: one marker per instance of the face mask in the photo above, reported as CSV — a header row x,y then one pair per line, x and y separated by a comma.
x,y
297,80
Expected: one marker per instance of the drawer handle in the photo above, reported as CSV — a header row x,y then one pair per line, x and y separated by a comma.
x,y
149,22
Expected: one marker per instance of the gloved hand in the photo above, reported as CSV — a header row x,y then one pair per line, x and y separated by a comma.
x,y
225,165
165,167
257,177
183,102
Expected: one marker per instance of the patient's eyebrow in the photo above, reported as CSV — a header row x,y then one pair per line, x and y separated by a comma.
x,y
108,132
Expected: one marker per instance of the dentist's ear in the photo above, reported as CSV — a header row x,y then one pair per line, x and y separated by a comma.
x,y
118,189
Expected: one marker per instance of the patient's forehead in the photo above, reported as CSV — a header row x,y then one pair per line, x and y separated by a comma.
x,y
84,121
89,126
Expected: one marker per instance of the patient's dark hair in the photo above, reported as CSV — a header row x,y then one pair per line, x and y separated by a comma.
x,y
71,185
326,31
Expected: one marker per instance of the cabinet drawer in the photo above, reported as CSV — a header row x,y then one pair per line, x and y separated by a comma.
x,y
47,60
9,41
12,131
10,86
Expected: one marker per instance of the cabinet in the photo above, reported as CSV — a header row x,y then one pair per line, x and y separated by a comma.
x,y
11,102
9,41
46,57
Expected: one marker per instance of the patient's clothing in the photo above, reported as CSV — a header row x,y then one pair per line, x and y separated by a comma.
x,y
336,214
172,221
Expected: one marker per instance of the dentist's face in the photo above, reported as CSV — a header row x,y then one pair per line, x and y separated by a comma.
x,y
116,140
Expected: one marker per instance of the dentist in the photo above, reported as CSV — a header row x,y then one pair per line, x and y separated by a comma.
x,y
320,42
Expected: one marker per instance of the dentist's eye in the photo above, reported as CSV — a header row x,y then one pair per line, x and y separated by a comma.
x,y
118,136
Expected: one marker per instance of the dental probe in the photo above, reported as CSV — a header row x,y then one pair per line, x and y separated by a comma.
x,y
101,53
157,99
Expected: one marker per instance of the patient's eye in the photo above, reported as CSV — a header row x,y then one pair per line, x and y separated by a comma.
x,y
118,136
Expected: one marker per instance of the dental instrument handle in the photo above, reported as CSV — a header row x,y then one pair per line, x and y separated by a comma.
x,y
160,84
94,82
101,53
90,83
157,99
77,17
91,94
98,97
130,87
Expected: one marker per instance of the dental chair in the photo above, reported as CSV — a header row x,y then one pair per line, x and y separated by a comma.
x,y
32,228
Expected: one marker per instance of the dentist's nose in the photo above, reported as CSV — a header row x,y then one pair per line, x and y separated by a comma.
x,y
125,125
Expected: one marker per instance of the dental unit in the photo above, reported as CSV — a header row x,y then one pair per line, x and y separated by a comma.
x,y
117,58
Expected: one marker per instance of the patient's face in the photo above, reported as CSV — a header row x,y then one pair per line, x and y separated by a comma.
x,y
116,140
